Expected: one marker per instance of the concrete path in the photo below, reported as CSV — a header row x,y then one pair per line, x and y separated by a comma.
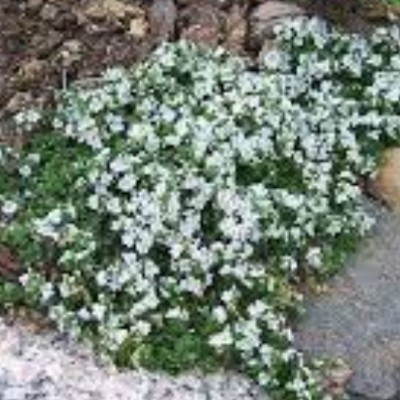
x,y
358,319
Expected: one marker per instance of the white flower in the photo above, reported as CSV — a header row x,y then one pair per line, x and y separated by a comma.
x,y
120,335
127,183
46,291
257,309
143,328
120,164
314,257
55,216
221,339
98,311
101,278
228,296
9,208
94,202
25,171
220,314
113,205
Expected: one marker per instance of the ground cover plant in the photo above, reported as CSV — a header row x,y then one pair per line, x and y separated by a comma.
x,y
167,212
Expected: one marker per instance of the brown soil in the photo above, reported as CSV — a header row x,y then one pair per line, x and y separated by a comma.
x,y
45,44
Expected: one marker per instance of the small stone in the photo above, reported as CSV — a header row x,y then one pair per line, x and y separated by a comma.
x,y
138,27
394,12
18,102
45,44
236,29
71,51
201,25
336,379
162,18
201,34
34,5
49,12
111,9
31,71
65,20
386,184
266,15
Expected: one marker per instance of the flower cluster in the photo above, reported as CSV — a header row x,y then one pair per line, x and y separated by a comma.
x,y
177,203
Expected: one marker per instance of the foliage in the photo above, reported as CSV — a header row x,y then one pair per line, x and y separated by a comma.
x,y
166,214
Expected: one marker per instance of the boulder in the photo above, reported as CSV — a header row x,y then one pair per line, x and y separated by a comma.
x,y
138,27
386,184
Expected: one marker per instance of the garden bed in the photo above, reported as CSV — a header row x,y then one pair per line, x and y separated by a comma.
x,y
167,213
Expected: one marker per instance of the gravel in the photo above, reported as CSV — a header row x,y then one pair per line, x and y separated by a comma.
x,y
51,366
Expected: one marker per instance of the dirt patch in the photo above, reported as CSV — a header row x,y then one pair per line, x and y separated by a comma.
x,y
46,44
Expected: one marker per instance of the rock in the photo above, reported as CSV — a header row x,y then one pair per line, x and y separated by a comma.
x,y
9,268
49,12
138,27
111,9
71,52
31,71
265,16
51,366
213,3
236,29
336,379
201,24
386,184
358,319
162,18
65,20
14,393
394,12
373,382
45,44
34,5
201,34
18,102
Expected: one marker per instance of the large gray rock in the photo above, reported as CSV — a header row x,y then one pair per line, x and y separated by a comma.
x,y
49,366
358,318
